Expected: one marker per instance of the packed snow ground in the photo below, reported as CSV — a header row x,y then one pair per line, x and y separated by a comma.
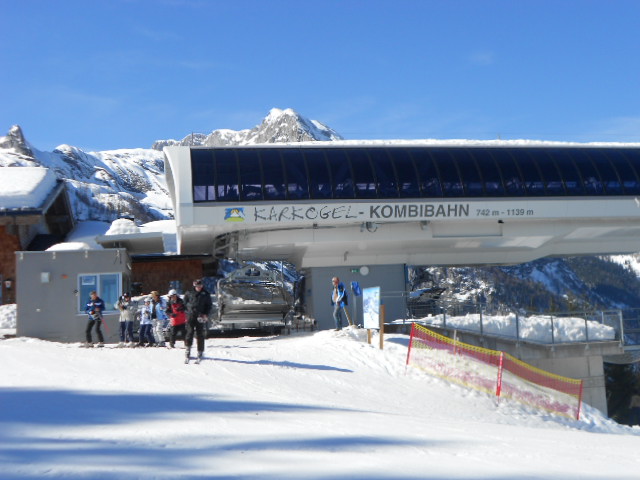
x,y
312,405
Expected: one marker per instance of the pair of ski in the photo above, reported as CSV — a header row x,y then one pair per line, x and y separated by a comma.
x,y
187,359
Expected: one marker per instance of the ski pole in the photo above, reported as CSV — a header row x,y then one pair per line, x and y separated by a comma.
x,y
346,312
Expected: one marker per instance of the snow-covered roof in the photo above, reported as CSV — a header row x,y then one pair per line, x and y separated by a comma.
x,y
25,187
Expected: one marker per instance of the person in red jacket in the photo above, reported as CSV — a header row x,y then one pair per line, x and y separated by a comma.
x,y
177,317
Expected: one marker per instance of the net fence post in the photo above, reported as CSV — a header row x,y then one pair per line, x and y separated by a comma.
x,y
579,400
499,379
413,329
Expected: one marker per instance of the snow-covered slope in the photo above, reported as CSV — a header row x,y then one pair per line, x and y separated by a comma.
x,y
322,405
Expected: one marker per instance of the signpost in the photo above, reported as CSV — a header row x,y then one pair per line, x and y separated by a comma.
x,y
373,312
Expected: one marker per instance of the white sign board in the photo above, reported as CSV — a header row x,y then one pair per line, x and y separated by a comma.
x,y
371,306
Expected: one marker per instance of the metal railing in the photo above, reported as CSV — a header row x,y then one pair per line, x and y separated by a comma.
x,y
535,327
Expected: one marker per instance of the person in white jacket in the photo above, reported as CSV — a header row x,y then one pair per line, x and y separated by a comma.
x,y
146,325
159,316
128,309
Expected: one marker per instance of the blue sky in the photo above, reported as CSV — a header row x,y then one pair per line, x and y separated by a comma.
x,y
107,74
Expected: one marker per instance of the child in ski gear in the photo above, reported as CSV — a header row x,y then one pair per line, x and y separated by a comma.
x,y
146,324
128,309
94,308
198,304
338,300
159,317
178,317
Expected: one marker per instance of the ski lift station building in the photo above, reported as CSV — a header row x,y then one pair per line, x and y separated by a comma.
x,y
363,211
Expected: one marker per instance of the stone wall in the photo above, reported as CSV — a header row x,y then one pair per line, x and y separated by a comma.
x,y
9,244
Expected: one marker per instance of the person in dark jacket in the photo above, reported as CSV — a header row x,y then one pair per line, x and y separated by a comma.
x,y
198,304
94,308
176,312
338,300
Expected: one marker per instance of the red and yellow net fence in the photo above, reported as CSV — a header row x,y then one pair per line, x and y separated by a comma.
x,y
493,372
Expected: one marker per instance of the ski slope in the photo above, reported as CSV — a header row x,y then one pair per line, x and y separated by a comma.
x,y
311,405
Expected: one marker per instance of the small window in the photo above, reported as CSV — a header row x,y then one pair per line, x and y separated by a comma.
x,y
429,179
471,178
319,176
509,172
226,176
250,175
364,181
450,180
273,174
202,175
343,186
492,180
297,186
624,162
384,173
406,172
533,180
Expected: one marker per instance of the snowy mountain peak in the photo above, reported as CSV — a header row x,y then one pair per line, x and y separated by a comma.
x,y
279,126
15,140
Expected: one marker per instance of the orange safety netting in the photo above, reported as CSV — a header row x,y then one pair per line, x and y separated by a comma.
x,y
492,371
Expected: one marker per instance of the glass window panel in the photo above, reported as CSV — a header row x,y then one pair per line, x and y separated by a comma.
x,y
340,173
471,179
364,180
428,177
591,178
489,172
533,181
319,176
405,172
109,290
449,176
627,162
550,174
202,167
202,174
200,193
295,171
87,284
562,158
250,175
384,173
274,188
512,180
608,174
226,176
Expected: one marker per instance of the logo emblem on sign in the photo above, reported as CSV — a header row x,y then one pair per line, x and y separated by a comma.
x,y
235,214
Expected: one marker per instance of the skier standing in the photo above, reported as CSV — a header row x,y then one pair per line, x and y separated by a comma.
x,y
146,325
159,305
198,303
338,301
128,310
94,308
178,317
